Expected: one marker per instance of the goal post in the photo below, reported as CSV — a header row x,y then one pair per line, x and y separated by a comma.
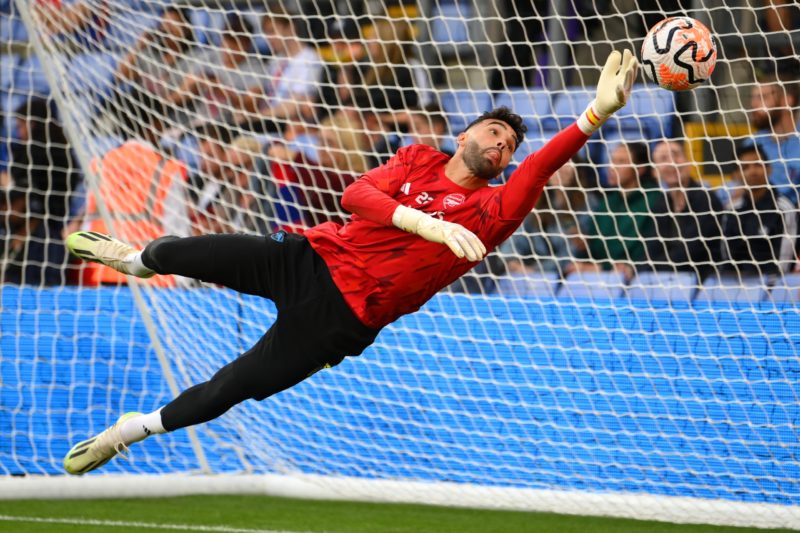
x,y
636,392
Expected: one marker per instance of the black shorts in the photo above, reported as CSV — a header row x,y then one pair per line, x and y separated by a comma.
x,y
315,327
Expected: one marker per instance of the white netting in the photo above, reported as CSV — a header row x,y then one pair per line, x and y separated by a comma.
x,y
638,334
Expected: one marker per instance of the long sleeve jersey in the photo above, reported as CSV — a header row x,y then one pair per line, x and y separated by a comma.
x,y
384,272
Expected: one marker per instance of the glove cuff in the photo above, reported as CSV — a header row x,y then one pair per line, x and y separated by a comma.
x,y
407,219
591,120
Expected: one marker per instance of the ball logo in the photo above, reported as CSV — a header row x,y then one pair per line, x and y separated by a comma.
x,y
454,199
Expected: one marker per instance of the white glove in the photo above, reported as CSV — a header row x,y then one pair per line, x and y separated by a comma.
x,y
459,239
613,90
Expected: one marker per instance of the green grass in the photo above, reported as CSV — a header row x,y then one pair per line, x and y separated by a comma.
x,y
279,514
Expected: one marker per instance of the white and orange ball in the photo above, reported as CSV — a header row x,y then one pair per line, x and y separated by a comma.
x,y
679,53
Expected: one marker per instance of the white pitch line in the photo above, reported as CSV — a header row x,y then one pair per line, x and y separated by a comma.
x,y
146,525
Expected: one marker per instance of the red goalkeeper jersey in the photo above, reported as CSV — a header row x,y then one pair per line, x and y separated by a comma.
x,y
384,272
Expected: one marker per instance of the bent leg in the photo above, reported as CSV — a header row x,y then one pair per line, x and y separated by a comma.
x,y
258,373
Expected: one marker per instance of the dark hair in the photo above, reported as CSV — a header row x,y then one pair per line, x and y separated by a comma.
x,y
237,27
188,38
213,131
136,112
748,146
434,113
44,126
504,114
640,158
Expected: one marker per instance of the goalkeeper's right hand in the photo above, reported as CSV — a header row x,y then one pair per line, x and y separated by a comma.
x,y
613,90
459,239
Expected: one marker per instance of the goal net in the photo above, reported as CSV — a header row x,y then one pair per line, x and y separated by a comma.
x,y
631,350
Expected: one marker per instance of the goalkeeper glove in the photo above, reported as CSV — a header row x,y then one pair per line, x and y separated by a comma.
x,y
613,90
459,239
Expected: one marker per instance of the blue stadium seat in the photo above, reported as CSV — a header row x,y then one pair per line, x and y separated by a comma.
x,y
92,82
649,113
542,284
786,290
93,74
593,285
664,286
568,105
449,24
732,289
463,106
29,77
8,66
12,29
535,107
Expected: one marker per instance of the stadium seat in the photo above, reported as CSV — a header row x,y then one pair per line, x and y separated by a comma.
x,y
732,289
29,77
463,106
568,105
542,284
786,290
8,66
649,113
93,81
94,74
535,107
593,285
449,24
663,286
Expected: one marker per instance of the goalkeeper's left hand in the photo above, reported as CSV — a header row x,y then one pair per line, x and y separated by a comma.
x,y
613,90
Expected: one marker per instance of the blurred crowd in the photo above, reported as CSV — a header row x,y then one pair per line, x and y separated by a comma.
x,y
262,127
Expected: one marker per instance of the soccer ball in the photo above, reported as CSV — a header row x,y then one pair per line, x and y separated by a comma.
x,y
679,53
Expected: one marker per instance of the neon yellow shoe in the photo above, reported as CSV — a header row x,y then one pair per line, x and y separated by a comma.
x,y
104,249
93,453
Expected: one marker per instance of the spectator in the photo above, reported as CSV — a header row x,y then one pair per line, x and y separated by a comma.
x,y
212,141
543,244
429,126
687,228
781,17
293,74
235,203
78,21
614,233
42,176
223,84
379,78
773,104
346,47
761,229
340,161
142,189
155,64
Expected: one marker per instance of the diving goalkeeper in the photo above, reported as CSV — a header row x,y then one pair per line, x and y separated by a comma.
x,y
418,223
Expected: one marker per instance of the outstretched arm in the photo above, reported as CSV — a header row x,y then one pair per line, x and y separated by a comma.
x,y
526,183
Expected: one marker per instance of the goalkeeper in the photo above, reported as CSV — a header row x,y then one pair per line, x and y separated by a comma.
x,y
419,222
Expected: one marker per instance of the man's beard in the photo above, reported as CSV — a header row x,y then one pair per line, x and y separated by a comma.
x,y
476,161
766,119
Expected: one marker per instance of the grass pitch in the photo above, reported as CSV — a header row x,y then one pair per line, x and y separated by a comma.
x,y
260,514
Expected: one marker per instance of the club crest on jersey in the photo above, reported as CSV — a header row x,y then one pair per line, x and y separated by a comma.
x,y
454,199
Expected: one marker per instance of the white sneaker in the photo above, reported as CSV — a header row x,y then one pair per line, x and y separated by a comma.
x,y
93,453
104,249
